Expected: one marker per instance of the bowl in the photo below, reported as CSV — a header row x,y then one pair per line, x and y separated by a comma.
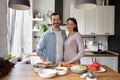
x,y
78,68
61,70
47,73
37,68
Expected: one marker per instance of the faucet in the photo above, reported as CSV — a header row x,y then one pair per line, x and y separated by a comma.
x,y
99,46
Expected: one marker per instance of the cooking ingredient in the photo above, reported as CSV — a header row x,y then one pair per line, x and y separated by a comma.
x,y
66,65
79,67
39,66
94,66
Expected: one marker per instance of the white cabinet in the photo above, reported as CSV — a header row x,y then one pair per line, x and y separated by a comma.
x,y
80,17
111,62
97,21
91,21
105,20
86,60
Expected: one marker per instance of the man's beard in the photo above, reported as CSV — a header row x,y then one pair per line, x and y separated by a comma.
x,y
56,25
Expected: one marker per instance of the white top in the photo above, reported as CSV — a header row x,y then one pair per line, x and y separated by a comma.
x,y
59,47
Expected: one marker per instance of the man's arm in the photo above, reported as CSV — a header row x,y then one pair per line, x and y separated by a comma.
x,y
42,58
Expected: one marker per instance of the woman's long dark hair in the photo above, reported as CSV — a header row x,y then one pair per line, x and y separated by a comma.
x,y
75,22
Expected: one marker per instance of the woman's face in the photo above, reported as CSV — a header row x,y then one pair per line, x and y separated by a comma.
x,y
70,25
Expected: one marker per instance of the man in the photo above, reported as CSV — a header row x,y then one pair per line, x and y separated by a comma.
x,y
50,47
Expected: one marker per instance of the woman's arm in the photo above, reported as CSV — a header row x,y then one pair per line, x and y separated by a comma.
x,y
80,47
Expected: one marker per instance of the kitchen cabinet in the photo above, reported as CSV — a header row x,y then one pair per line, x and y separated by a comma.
x,y
97,21
86,60
80,17
90,20
111,62
105,20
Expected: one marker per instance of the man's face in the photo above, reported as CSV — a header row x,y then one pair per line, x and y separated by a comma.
x,y
56,21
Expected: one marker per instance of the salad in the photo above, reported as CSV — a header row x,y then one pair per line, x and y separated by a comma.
x,y
79,67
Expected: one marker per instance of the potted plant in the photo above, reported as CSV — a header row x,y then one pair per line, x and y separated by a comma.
x,y
42,28
49,12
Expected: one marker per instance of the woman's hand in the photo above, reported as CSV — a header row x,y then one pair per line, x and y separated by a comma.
x,y
65,64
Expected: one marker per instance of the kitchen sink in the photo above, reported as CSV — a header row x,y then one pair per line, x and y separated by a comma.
x,y
101,52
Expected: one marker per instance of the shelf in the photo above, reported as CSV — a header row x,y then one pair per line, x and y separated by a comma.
x,y
35,30
37,19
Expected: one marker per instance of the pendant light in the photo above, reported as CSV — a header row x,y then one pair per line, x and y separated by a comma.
x,y
85,4
19,4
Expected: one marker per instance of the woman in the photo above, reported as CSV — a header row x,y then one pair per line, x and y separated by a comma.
x,y
74,47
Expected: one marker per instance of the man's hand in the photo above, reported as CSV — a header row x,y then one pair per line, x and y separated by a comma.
x,y
48,63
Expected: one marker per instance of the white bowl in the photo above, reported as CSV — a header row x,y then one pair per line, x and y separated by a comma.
x,y
36,69
47,73
76,69
61,70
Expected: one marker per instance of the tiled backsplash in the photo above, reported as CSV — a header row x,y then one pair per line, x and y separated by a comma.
x,y
92,42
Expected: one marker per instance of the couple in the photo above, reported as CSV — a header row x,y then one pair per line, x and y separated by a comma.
x,y
54,47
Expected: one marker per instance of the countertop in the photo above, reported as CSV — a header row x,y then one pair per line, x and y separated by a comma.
x,y
25,72
89,54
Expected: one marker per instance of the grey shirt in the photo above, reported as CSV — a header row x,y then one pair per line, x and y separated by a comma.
x,y
74,47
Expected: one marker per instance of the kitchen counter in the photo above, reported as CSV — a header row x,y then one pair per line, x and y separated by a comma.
x,y
89,53
25,72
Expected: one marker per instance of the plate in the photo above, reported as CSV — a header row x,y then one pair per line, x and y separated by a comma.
x,y
101,69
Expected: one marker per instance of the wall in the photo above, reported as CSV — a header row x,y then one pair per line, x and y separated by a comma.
x,y
43,6
114,41
66,9
3,28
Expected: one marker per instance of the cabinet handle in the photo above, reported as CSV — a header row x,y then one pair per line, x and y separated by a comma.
x,y
107,33
92,33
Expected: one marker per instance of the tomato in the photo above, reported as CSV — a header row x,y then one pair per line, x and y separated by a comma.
x,y
96,64
92,67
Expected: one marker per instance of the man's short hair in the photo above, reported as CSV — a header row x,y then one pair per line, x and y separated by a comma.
x,y
55,13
